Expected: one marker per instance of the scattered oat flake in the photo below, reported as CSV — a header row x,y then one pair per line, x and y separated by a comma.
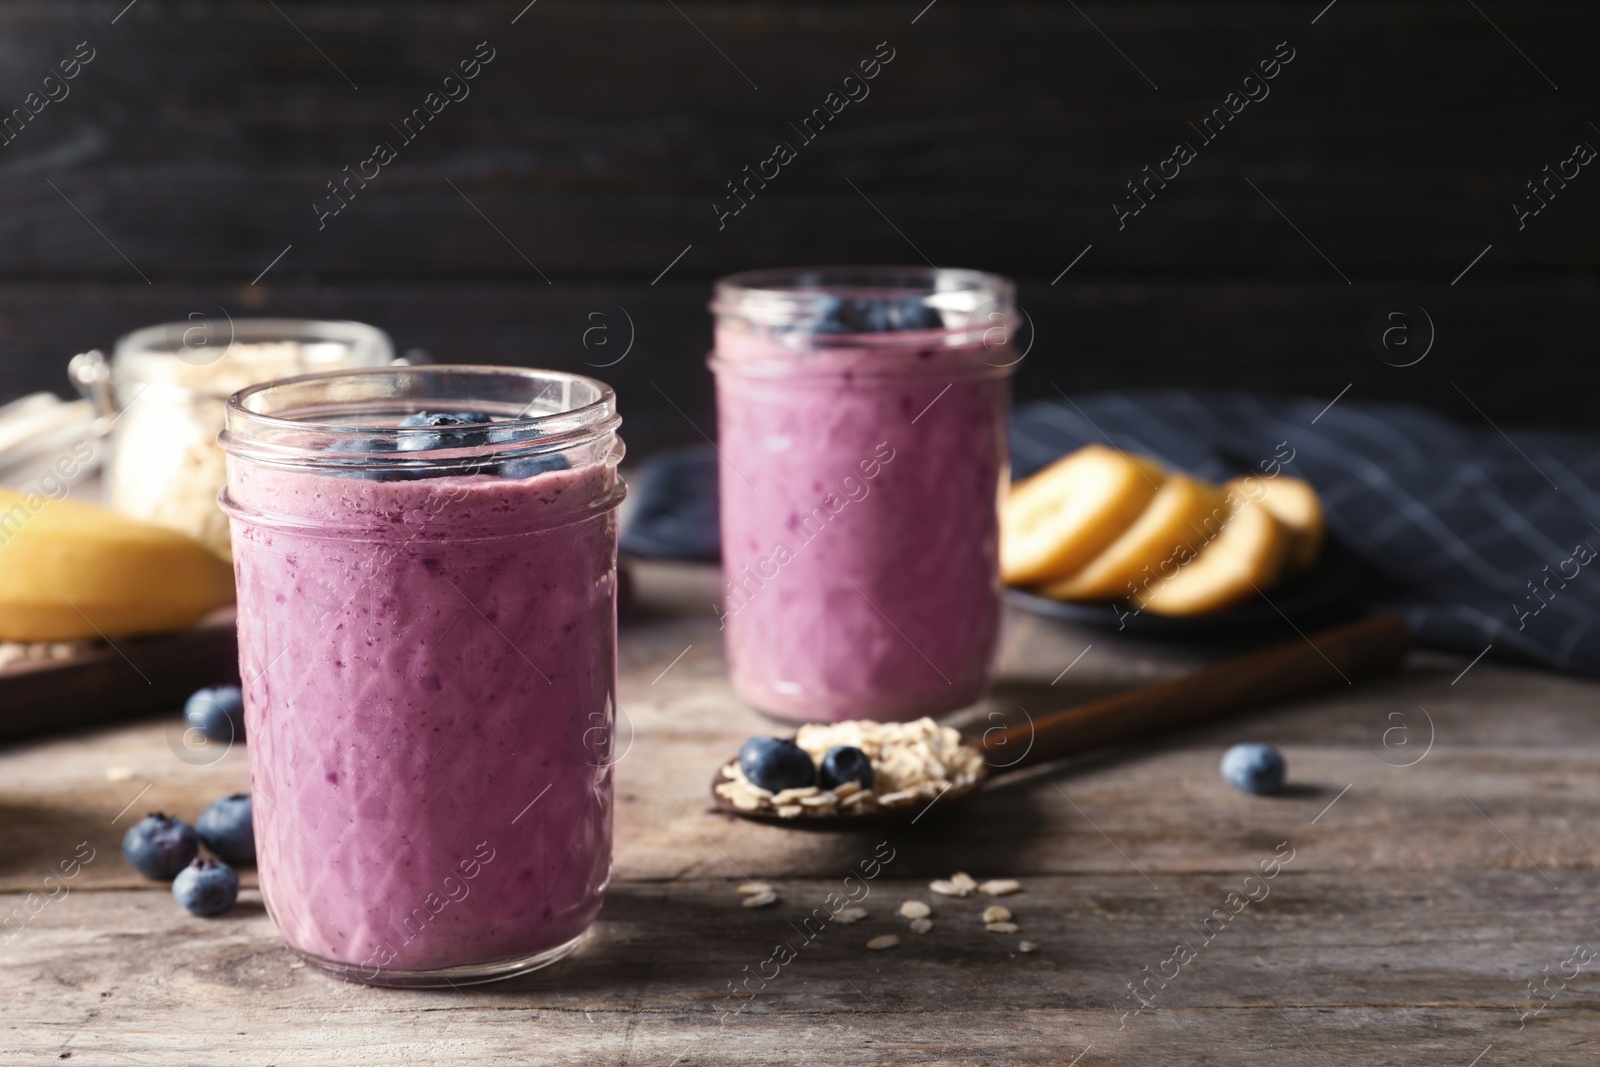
x,y
921,926
760,900
883,941
789,811
964,880
118,774
752,889
996,913
850,915
1000,887
946,889
915,909
993,928
1027,946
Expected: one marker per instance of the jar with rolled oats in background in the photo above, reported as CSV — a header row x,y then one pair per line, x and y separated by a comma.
x,y
163,394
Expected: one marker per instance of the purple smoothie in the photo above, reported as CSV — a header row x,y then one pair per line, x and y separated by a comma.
x,y
859,490
429,678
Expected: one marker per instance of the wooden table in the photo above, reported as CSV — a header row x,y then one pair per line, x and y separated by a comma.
x,y
1419,903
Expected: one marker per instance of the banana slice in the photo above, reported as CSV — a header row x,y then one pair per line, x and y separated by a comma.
x,y
1293,503
1246,556
1057,521
1184,514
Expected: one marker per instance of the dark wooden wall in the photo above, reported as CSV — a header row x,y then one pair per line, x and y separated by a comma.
x,y
602,133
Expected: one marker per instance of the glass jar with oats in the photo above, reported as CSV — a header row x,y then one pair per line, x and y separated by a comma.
x,y
164,392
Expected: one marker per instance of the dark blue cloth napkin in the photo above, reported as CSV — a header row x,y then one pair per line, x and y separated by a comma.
x,y
1482,540
674,512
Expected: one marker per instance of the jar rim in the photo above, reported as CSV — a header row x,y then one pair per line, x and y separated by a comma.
x,y
317,417
867,306
153,356
787,294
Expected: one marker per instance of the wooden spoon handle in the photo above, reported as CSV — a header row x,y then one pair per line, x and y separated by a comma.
x,y
1328,657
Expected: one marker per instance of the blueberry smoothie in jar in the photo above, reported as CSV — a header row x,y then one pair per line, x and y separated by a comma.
x,y
861,417
426,568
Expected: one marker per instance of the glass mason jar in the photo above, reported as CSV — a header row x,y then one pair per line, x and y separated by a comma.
x,y
427,639
163,394
861,421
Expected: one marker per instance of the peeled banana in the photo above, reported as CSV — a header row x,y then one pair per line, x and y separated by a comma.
x,y
73,571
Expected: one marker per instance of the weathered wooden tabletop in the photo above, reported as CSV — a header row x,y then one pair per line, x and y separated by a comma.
x,y
1441,830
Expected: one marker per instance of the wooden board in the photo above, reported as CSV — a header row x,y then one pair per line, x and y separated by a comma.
x,y
1419,903
117,680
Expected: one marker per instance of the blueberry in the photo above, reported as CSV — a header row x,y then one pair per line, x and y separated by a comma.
x,y
447,418
1254,768
159,846
415,442
226,829
909,313
775,764
217,713
845,763
361,445
875,315
527,468
422,442
833,317
365,446
206,887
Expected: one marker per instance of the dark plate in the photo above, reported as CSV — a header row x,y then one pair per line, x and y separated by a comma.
x,y
1321,591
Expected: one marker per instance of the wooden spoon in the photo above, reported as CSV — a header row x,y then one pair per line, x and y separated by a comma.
x,y
1340,654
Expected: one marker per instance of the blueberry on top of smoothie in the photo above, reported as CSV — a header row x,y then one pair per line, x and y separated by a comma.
x,y
159,846
527,468
361,444
364,445
447,418
422,442
454,429
845,763
875,315
908,313
834,317
1254,768
775,764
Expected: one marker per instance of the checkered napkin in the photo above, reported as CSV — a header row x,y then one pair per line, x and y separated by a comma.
x,y
1483,540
